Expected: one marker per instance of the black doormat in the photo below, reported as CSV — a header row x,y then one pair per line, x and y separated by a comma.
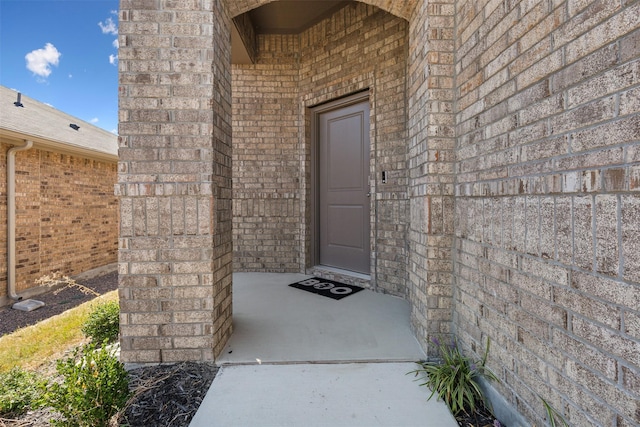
x,y
327,288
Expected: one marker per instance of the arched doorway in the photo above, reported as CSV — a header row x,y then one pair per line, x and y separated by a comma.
x,y
353,48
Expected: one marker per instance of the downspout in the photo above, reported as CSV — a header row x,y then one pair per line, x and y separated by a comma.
x,y
11,218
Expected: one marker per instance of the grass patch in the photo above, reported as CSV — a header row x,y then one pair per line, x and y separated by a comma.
x,y
37,345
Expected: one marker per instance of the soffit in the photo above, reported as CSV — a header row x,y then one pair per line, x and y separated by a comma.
x,y
292,17
283,17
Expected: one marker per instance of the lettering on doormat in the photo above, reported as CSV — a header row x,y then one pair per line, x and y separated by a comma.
x,y
327,288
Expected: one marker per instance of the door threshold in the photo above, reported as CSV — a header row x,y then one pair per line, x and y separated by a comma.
x,y
343,272
340,275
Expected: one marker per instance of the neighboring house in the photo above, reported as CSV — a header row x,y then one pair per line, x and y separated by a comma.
x,y
496,186
62,210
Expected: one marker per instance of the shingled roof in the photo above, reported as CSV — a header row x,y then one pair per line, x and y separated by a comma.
x,y
51,129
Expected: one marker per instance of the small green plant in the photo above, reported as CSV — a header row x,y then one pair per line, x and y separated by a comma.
x,y
554,417
94,387
454,378
19,391
103,322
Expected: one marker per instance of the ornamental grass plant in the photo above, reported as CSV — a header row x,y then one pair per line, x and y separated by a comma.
x,y
455,377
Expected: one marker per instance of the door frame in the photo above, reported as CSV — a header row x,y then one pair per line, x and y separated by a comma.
x,y
314,204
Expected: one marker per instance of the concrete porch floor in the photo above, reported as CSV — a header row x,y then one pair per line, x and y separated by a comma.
x,y
299,359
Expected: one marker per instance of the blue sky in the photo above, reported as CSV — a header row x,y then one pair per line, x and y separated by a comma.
x,y
63,53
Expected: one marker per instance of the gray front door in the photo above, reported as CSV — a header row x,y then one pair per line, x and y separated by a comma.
x,y
344,218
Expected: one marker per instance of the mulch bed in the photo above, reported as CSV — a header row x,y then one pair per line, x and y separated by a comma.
x,y
56,303
167,395
481,418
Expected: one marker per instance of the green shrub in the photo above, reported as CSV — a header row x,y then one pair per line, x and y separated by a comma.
x,y
94,387
19,391
103,322
455,377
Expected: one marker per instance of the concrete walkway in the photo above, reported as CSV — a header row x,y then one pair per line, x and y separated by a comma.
x,y
300,359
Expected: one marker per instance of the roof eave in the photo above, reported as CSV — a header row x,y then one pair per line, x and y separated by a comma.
x,y
58,146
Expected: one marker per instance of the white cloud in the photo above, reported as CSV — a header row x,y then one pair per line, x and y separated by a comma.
x,y
70,76
108,27
114,131
39,61
94,120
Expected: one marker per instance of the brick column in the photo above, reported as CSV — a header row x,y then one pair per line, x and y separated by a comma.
x,y
431,167
174,180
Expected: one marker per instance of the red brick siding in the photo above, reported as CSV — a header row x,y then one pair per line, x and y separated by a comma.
x,y
66,215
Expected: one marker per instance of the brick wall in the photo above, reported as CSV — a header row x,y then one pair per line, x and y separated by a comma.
x,y
547,243
66,215
266,159
174,180
431,142
360,47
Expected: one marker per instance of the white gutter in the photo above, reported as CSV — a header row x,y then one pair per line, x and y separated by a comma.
x,y
11,218
59,146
